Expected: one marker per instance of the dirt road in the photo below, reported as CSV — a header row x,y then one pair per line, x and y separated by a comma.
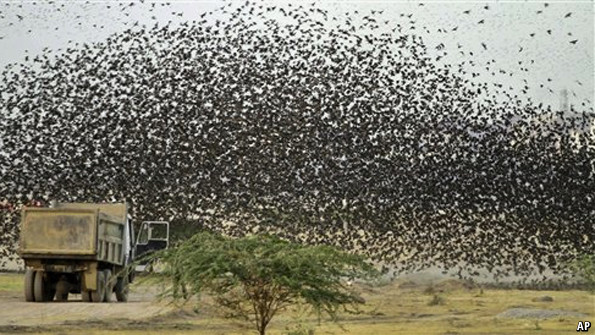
x,y
15,311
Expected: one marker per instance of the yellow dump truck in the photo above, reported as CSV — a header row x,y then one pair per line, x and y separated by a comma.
x,y
80,248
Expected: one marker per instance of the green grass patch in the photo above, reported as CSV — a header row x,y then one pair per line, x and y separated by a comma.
x,y
11,282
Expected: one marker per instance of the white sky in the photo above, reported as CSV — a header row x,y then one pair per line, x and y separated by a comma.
x,y
27,28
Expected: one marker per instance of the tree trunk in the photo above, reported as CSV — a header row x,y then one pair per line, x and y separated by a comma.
x,y
262,325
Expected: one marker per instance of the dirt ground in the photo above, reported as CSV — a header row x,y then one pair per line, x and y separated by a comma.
x,y
15,311
400,307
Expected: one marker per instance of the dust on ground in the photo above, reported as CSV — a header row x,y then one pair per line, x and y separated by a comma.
x,y
142,305
535,313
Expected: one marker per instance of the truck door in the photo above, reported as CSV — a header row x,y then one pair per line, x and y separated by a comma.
x,y
152,236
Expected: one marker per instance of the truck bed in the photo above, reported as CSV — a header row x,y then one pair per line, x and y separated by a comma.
x,y
63,232
71,233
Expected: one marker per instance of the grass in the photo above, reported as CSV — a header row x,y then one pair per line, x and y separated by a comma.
x,y
389,310
436,300
11,282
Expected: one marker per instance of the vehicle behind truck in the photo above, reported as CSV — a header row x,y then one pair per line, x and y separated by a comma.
x,y
80,248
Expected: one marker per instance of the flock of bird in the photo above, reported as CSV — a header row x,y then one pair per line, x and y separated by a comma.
x,y
39,11
318,133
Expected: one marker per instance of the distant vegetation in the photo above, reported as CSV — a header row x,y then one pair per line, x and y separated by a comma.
x,y
584,268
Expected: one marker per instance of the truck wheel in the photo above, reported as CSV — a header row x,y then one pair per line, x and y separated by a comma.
x,y
122,289
29,281
62,297
109,285
99,294
62,289
86,296
39,287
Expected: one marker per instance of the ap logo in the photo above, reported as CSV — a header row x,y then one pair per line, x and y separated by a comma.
x,y
583,326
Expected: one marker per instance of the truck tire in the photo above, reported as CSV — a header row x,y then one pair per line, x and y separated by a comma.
x,y
99,294
122,289
40,289
86,296
62,290
109,285
29,281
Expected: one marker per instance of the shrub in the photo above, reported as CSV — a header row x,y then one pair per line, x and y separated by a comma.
x,y
584,268
256,277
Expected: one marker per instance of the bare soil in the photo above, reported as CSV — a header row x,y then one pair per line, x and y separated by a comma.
x,y
16,312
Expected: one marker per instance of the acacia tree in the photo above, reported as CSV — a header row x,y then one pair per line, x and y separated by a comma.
x,y
256,277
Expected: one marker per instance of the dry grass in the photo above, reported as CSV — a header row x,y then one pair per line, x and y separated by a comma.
x,y
389,310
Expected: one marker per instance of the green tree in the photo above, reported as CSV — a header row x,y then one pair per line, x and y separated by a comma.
x,y
256,277
583,267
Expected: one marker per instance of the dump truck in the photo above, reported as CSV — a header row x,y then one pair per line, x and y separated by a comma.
x,y
82,248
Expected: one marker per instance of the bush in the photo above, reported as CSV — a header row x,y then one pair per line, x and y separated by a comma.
x,y
436,300
584,268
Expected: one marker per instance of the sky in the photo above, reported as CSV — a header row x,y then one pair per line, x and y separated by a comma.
x,y
504,27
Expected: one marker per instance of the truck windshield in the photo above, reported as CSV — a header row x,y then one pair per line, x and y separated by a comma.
x,y
158,232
